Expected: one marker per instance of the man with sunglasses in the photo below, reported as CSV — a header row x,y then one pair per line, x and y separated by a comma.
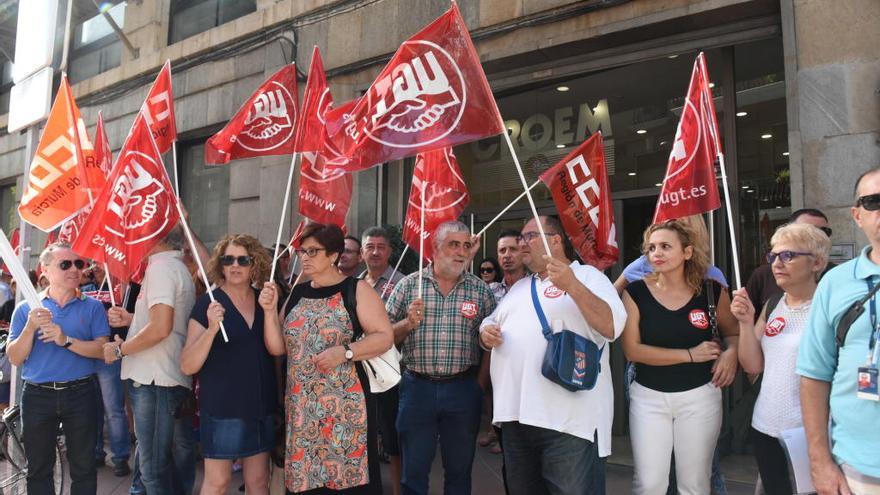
x,y
761,285
57,345
150,356
840,377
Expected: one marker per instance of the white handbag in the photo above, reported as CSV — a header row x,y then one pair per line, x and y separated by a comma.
x,y
383,370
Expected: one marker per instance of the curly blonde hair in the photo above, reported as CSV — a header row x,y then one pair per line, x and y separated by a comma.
x,y
259,267
695,267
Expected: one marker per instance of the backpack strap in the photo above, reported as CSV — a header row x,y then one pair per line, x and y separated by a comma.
x,y
771,303
852,314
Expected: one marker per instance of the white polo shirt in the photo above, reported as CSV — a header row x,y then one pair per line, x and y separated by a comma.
x,y
520,392
166,281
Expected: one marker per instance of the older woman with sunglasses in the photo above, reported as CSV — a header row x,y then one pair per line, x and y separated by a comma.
x,y
770,346
237,378
331,418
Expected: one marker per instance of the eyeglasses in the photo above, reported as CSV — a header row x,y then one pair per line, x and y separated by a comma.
x,y
228,260
487,270
785,256
66,264
530,236
310,252
870,202
827,230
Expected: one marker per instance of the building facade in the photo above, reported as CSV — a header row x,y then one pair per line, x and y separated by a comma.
x,y
796,86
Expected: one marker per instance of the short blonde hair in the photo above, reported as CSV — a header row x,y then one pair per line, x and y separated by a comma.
x,y
808,237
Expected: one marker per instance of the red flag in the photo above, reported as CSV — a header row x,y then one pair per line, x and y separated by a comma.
x,y
690,187
446,196
433,94
580,189
56,188
294,239
264,125
316,102
14,241
136,209
324,194
103,155
158,110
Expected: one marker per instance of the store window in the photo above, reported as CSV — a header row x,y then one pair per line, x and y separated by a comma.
x,y
191,17
9,217
204,191
95,48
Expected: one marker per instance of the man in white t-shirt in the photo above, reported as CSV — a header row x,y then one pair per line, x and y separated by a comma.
x,y
552,437
150,355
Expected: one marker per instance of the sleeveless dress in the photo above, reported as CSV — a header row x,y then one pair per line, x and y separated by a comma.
x,y
331,436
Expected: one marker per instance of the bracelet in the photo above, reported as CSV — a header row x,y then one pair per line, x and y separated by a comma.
x,y
690,355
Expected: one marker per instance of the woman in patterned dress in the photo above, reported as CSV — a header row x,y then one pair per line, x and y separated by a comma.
x,y
331,428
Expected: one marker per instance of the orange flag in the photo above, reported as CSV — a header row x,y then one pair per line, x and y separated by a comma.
x,y
56,188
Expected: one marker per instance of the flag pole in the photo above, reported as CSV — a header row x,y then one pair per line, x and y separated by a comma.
x,y
174,161
421,237
526,187
195,255
106,269
292,271
394,272
283,211
500,214
472,235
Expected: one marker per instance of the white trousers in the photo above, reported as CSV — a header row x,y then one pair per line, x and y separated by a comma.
x,y
686,423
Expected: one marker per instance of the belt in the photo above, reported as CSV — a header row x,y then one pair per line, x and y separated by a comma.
x,y
472,371
62,385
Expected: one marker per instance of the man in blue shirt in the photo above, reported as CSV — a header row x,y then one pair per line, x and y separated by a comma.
x,y
57,345
849,463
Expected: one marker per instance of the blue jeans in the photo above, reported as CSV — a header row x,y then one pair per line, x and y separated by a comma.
x,y
448,409
42,410
112,403
540,461
166,455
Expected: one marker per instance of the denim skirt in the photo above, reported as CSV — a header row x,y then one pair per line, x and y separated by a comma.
x,y
233,438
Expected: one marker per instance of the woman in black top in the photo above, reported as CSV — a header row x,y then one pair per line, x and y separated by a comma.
x,y
236,378
675,403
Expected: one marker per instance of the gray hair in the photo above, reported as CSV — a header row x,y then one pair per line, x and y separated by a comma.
x,y
48,254
376,232
446,228
175,239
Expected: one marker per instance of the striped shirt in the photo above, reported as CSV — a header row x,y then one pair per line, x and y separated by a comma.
x,y
446,341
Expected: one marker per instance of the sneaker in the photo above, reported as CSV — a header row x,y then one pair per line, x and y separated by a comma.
x,y
120,469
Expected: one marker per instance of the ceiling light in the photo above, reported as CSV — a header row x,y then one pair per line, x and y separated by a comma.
x,y
641,131
562,89
778,207
741,114
664,143
745,187
673,56
766,136
596,109
560,146
711,85
631,174
750,191
784,153
659,184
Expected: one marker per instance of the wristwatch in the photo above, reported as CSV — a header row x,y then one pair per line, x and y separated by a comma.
x,y
119,351
67,342
349,354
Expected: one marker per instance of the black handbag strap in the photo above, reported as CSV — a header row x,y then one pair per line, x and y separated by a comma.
x,y
713,309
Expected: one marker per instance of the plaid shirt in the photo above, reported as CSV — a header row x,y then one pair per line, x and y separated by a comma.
x,y
446,341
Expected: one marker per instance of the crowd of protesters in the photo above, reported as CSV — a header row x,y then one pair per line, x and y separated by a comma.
x,y
262,373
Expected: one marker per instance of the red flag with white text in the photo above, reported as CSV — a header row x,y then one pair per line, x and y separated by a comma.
x,y
689,187
135,211
324,193
158,110
265,125
446,196
582,195
433,94
317,100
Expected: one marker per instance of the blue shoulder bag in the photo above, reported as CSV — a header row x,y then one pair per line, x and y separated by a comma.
x,y
571,361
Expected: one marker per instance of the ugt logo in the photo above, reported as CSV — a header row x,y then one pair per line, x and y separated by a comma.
x,y
419,101
270,121
438,197
699,319
137,200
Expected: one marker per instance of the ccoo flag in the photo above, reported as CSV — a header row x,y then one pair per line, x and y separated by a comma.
x,y
433,94
580,190
689,187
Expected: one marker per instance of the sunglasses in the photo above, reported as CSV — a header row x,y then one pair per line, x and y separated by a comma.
x,y
310,252
870,202
785,256
827,230
228,260
487,270
66,264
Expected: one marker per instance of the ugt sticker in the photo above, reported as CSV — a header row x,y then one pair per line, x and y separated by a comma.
x,y
775,327
469,309
553,292
699,319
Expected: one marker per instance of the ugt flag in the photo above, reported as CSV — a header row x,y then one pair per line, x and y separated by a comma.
x,y
317,100
158,110
136,209
689,187
324,193
265,125
433,94
56,188
580,190
446,197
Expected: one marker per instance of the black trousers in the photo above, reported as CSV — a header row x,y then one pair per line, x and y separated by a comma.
x,y
772,464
